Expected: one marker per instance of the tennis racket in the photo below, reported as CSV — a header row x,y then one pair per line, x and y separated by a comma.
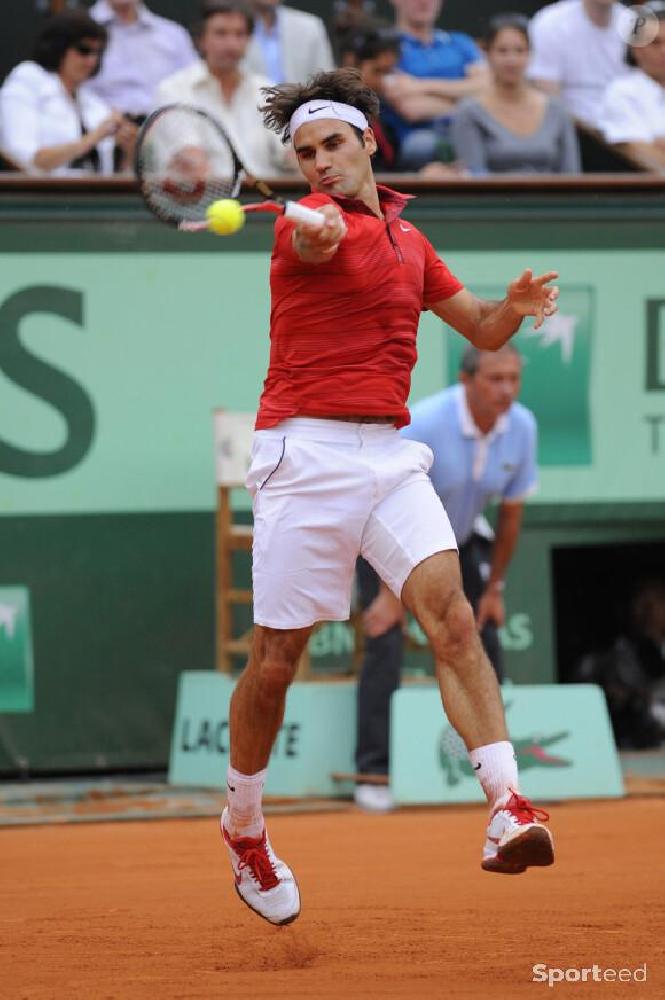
x,y
185,161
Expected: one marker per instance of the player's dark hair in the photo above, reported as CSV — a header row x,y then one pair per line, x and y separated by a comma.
x,y
211,7
470,360
503,22
341,86
62,32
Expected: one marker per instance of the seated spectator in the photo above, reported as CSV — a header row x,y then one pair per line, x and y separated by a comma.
x,y
287,44
375,54
512,127
633,111
578,49
437,68
632,671
142,50
351,18
218,84
50,121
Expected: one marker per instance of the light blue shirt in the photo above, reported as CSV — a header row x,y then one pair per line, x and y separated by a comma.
x,y
445,57
271,47
470,468
138,57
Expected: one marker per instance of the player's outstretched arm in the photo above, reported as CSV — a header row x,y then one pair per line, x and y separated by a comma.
x,y
316,246
488,325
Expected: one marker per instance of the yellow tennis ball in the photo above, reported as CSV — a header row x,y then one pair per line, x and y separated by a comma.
x,y
225,216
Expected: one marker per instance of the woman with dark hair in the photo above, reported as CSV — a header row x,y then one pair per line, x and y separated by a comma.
x,y
511,127
49,121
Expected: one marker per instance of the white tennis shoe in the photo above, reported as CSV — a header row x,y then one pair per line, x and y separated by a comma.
x,y
262,881
374,798
516,837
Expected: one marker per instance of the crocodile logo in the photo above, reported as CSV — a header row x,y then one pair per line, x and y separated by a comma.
x,y
530,751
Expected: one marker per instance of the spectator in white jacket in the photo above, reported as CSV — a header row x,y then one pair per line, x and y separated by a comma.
x,y
633,112
50,122
219,84
288,45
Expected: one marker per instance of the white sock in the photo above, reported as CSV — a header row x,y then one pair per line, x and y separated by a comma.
x,y
243,794
496,769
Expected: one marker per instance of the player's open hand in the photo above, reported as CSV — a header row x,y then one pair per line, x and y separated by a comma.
x,y
531,296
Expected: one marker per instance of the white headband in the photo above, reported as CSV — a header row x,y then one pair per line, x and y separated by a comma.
x,y
316,110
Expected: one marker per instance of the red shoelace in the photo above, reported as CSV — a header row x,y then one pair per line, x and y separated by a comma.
x,y
254,855
524,811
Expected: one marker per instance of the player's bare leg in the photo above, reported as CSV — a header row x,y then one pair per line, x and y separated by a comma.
x,y
264,882
257,703
472,700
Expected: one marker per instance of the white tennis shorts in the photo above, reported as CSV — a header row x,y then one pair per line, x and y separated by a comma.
x,y
325,491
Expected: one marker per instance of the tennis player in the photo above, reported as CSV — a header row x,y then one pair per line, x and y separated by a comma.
x,y
331,477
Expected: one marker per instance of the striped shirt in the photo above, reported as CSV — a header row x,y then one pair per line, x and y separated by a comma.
x,y
343,333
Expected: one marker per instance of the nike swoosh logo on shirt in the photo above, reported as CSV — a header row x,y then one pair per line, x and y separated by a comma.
x,y
405,229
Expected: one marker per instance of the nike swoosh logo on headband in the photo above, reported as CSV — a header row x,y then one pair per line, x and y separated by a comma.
x,y
312,111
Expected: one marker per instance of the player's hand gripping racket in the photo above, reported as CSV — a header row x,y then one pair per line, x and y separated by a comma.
x,y
185,163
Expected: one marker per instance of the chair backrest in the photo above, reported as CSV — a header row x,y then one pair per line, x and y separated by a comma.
x,y
234,433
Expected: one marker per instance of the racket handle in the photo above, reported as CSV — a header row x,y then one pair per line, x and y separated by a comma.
x,y
300,213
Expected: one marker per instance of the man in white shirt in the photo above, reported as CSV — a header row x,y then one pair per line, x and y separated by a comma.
x,y
633,110
578,48
142,50
288,45
219,85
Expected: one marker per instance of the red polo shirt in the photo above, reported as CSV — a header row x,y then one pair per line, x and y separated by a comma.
x,y
343,333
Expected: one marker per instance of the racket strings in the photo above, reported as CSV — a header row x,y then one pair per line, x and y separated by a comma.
x,y
184,163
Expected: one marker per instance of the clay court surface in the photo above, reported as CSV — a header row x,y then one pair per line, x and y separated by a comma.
x,y
393,906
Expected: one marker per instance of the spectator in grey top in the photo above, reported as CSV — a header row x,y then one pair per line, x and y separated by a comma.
x,y
511,127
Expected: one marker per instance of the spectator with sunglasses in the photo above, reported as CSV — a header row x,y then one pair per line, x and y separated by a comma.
x,y
50,122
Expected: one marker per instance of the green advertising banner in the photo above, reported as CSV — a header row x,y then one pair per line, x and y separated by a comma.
x,y
316,738
111,366
557,374
561,735
16,668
